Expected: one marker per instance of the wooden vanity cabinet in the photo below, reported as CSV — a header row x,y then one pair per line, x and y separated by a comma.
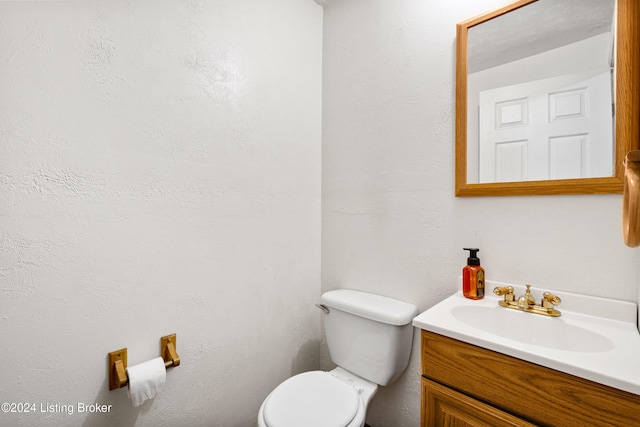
x,y
465,385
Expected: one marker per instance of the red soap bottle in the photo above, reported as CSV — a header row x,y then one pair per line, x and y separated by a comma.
x,y
473,276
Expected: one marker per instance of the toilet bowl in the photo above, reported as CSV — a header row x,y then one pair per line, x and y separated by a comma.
x,y
369,337
318,399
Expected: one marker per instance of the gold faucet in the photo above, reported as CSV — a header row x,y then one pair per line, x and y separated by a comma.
x,y
527,302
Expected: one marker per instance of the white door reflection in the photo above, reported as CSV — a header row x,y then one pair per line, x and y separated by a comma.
x,y
556,128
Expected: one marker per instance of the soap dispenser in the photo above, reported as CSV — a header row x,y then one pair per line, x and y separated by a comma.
x,y
473,276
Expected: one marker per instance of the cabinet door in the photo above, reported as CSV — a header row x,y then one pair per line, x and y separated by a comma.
x,y
444,407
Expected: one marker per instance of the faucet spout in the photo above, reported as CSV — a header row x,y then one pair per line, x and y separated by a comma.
x,y
527,300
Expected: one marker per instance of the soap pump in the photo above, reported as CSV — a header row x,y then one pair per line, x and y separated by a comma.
x,y
473,276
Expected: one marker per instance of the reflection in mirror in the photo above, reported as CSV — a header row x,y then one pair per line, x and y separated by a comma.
x,y
536,95
531,76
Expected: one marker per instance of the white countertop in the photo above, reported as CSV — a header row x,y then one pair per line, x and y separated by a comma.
x,y
595,338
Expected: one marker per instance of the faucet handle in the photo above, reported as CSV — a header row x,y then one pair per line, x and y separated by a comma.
x,y
549,300
507,291
501,290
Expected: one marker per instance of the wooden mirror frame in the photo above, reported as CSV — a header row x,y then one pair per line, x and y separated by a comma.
x,y
627,112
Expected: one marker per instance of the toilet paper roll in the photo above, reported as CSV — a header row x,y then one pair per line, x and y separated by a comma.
x,y
631,199
146,380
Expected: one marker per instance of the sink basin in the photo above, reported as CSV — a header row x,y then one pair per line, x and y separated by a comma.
x,y
551,332
594,338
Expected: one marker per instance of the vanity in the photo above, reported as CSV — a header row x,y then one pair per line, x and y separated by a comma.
x,y
483,364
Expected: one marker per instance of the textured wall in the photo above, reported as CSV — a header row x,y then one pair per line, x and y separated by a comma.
x,y
390,221
159,173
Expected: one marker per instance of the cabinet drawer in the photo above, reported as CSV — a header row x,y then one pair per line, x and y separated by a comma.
x,y
445,407
540,395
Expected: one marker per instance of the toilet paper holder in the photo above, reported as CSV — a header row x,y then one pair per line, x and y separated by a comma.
x,y
117,362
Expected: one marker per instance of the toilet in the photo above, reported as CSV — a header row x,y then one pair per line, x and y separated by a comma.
x,y
369,338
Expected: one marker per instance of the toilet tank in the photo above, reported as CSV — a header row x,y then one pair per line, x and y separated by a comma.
x,y
369,335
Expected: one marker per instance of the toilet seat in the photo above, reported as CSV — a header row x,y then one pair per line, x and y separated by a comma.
x,y
312,399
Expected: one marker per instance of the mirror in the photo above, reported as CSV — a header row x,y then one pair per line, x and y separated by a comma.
x,y
531,122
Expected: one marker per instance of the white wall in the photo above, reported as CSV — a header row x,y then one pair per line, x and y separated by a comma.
x,y
160,173
390,221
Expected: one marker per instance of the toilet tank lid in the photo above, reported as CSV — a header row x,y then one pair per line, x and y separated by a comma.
x,y
370,306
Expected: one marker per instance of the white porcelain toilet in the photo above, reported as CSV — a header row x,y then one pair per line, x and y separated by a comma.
x,y
369,338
